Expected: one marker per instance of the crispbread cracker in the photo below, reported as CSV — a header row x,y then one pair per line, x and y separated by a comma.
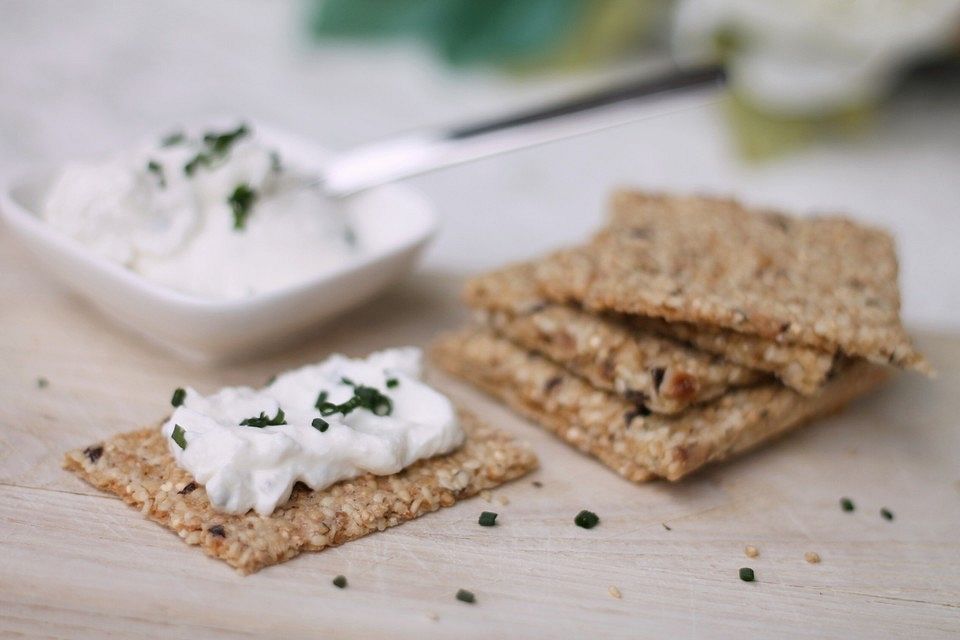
x,y
138,467
823,282
801,368
658,372
608,427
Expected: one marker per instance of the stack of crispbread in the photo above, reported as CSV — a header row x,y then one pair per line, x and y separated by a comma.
x,y
687,330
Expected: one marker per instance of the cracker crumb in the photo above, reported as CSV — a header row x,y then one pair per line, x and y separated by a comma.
x,y
751,551
504,500
812,557
486,495
613,591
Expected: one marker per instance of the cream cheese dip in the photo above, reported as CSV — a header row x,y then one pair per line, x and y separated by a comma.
x,y
232,442
215,213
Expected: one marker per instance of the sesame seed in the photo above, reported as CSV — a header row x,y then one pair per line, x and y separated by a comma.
x,y
751,551
504,500
812,557
613,591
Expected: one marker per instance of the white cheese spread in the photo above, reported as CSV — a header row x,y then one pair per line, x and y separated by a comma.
x,y
214,213
250,467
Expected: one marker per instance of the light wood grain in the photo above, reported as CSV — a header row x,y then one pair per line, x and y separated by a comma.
x,y
77,563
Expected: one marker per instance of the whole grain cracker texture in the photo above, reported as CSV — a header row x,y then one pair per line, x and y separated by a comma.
x,y
615,431
822,282
661,373
138,467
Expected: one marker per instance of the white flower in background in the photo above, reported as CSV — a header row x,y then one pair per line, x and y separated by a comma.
x,y
813,57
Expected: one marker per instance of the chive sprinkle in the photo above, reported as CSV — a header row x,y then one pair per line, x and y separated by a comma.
x,y
241,203
156,169
320,424
262,420
42,383
466,596
746,574
178,396
172,139
847,504
179,436
340,582
392,383
488,519
886,514
586,519
321,400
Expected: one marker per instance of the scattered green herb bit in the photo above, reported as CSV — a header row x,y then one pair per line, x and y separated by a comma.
x,y
156,169
275,165
241,202
886,513
340,581
191,167
847,504
328,408
320,424
746,574
537,484
271,379
217,146
220,143
363,398
350,237
488,519
178,396
466,596
321,399
262,420
586,519
42,383
172,139
179,436
392,383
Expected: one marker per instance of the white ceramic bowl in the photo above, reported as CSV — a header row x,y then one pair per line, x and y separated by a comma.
x,y
393,222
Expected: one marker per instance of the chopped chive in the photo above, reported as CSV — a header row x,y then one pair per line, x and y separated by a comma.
x,y
847,504
179,436
488,519
178,397
42,383
241,203
886,514
392,383
348,382
172,139
262,420
156,169
320,424
321,400
586,519
746,574
466,596
340,582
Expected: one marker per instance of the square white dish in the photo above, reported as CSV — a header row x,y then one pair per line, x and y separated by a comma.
x,y
394,223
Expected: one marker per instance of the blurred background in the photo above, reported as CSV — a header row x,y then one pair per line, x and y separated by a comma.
x,y
849,106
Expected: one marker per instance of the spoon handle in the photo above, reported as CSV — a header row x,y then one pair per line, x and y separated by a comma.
x,y
423,151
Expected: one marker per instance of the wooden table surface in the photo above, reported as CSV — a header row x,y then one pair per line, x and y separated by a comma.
x,y
78,563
